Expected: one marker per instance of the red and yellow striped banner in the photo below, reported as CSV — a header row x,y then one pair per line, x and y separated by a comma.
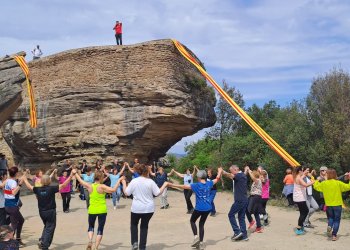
x,y
271,142
21,61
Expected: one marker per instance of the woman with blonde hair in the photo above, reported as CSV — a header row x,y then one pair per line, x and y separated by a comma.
x,y
332,190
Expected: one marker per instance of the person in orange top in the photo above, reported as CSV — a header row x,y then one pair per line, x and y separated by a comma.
x,y
288,186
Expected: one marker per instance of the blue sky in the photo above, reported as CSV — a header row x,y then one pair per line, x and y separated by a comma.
x,y
268,49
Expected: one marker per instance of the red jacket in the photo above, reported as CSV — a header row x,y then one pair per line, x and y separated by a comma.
x,y
118,28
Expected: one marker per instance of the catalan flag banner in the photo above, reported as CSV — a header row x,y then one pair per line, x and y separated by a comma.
x,y
21,61
271,142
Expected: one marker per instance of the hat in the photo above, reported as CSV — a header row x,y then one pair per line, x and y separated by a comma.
x,y
202,174
323,168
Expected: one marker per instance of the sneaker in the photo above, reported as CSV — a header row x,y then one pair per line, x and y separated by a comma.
x,y
334,238
213,214
162,207
236,236
245,238
39,245
115,208
309,226
329,231
201,246
258,230
266,223
135,246
299,231
251,224
89,246
265,217
167,206
195,243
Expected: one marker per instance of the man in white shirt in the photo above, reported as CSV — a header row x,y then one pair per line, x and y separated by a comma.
x,y
37,53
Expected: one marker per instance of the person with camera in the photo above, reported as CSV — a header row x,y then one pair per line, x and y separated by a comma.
x,y
118,32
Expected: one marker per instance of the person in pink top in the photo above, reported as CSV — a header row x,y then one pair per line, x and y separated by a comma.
x,y
65,191
265,195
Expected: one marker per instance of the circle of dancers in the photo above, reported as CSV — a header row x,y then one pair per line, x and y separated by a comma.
x,y
143,183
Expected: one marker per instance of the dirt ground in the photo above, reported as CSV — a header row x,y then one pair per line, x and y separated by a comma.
x,y
170,229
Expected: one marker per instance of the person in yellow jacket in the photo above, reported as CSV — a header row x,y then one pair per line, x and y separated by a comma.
x,y
332,190
98,206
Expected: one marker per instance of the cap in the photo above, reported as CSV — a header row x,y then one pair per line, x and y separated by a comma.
x,y
202,174
323,168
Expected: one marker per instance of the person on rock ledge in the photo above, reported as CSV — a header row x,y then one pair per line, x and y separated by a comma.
x,y
118,32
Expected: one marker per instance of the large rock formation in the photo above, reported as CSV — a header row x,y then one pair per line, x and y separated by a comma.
x,y
11,79
111,101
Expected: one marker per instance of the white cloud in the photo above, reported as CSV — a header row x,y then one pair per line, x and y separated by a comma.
x,y
269,49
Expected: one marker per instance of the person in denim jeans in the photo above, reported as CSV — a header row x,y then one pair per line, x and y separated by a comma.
x,y
114,177
332,190
240,205
212,176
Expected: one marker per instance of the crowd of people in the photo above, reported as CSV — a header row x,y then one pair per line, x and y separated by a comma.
x,y
142,183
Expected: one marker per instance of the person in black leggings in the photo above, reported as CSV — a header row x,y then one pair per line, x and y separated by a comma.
x,y
203,204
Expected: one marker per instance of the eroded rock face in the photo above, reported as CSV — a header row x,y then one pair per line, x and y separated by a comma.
x,y
111,101
11,79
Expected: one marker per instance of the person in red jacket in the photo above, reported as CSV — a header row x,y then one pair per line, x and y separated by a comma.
x,y
118,32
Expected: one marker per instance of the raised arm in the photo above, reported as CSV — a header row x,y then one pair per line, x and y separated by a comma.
x,y
123,168
110,190
26,182
178,174
54,174
131,169
65,183
194,170
228,175
250,172
171,172
303,183
84,183
218,177
151,172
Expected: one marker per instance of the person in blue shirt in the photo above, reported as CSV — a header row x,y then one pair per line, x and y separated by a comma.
x,y
89,178
114,177
203,206
240,205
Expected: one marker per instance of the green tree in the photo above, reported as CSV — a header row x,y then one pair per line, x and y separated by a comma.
x,y
228,120
329,109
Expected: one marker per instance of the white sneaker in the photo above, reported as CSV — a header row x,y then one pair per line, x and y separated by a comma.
x,y
195,243
115,208
201,246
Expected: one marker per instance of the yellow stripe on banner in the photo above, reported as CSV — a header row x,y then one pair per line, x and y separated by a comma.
x,y
268,139
32,109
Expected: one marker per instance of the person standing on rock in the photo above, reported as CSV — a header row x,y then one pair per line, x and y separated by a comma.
x,y
118,32
240,203
37,53
47,206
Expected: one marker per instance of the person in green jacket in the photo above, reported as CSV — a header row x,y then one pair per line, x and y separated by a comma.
x,y
332,190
